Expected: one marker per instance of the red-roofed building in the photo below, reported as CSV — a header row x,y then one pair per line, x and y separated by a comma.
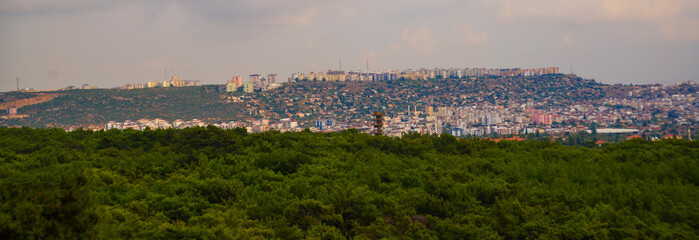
x,y
670,136
509,139
632,137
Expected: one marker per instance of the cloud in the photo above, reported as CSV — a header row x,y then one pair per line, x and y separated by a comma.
x,y
595,10
641,10
566,40
466,34
347,12
667,17
394,47
680,31
300,19
420,39
51,6
241,13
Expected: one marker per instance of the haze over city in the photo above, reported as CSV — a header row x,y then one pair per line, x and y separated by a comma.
x,y
53,44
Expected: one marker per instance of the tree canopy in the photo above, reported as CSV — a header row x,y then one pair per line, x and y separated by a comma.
x,y
209,183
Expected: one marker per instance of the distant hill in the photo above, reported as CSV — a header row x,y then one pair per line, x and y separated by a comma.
x,y
98,106
317,99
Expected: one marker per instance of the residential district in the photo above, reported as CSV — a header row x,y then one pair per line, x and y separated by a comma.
x,y
653,111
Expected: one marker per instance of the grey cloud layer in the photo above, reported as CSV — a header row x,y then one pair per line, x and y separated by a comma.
x,y
111,43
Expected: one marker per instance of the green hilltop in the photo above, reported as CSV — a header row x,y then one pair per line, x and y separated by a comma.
x,y
98,106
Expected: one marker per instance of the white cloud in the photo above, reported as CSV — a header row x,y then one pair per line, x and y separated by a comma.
x,y
300,19
595,10
420,39
347,12
566,40
24,6
466,34
394,47
641,10
664,16
680,31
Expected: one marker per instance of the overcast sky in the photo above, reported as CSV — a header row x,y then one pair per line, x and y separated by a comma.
x,y
56,43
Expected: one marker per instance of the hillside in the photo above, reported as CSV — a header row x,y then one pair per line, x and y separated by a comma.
x,y
342,100
98,106
207,183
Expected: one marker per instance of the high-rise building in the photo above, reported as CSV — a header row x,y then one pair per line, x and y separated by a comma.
x,y
12,111
255,80
230,86
248,87
272,78
233,84
336,76
541,118
238,81
297,77
324,124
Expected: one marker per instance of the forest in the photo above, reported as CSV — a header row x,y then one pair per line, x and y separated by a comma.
x,y
209,183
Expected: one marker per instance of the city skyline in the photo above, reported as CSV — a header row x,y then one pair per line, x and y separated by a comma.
x,y
53,44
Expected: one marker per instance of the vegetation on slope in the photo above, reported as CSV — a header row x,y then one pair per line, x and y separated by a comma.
x,y
320,99
207,183
99,106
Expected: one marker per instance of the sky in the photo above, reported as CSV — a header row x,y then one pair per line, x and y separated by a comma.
x,y
51,44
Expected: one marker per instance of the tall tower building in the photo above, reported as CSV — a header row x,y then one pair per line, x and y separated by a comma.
x,y
378,122
238,81
255,80
272,78
230,86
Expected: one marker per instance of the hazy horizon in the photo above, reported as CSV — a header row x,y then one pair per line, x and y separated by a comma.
x,y
54,44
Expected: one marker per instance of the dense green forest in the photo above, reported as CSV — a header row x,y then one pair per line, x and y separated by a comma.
x,y
208,183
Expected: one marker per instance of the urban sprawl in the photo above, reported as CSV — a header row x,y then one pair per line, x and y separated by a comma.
x,y
642,110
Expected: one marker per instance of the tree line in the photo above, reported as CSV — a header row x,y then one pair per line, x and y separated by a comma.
x,y
209,183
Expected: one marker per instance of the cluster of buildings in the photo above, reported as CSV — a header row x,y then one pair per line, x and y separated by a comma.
x,y
12,113
256,83
612,116
419,74
84,86
478,113
175,81
458,121
256,125
654,110
261,125
479,120
157,123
